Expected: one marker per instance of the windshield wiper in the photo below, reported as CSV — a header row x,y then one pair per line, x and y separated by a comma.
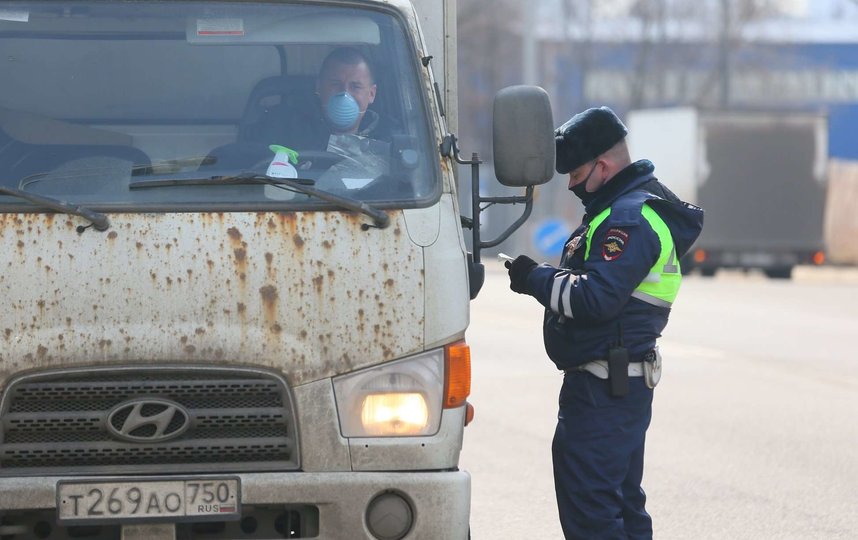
x,y
220,180
299,185
98,220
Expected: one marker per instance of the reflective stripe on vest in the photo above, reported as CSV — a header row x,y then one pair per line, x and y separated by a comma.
x,y
661,285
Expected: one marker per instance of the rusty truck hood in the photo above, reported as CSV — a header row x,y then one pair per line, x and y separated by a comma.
x,y
310,294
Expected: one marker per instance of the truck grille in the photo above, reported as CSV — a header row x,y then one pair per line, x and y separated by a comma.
x,y
147,419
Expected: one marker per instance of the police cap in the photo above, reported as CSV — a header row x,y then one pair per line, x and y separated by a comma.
x,y
585,136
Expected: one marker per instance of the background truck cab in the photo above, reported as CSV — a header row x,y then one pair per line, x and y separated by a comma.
x,y
206,335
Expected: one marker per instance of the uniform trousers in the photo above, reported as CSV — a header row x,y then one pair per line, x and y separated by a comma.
x,y
598,455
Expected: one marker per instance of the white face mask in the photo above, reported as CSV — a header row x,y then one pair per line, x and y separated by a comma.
x,y
342,110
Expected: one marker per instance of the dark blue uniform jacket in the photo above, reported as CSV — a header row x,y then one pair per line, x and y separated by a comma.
x,y
588,302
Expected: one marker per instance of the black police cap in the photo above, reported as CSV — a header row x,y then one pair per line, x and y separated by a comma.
x,y
585,136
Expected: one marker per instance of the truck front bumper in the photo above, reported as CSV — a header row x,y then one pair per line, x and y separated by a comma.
x,y
439,503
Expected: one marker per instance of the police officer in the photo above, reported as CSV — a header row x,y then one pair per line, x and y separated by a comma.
x,y
605,306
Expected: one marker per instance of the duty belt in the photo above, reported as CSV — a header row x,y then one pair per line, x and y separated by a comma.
x,y
599,368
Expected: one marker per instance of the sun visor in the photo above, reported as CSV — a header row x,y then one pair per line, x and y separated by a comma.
x,y
309,29
35,129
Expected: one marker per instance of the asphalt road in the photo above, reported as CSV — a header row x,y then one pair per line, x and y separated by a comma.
x,y
755,422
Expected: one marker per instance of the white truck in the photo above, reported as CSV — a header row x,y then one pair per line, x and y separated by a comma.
x,y
760,176
213,326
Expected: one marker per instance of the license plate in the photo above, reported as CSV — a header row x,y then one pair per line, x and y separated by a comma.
x,y
143,500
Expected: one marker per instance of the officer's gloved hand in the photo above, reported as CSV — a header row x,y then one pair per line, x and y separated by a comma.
x,y
519,269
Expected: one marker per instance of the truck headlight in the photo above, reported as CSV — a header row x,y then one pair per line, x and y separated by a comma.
x,y
402,398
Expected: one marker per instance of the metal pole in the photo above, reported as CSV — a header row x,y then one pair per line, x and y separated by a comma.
x,y
475,204
528,49
724,52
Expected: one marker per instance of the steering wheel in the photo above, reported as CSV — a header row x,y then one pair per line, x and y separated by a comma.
x,y
318,159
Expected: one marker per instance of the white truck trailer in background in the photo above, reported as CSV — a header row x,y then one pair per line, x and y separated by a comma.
x,y
759,176
213,327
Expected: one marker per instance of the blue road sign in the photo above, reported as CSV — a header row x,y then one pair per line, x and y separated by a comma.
x,y
550,236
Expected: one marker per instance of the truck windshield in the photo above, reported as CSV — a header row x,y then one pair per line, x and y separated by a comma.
x,y
99,97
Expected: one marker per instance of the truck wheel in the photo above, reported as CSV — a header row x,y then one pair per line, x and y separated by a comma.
x,y
778,273
708,271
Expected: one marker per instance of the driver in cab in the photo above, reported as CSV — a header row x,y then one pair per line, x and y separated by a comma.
x,y
346,89
341,121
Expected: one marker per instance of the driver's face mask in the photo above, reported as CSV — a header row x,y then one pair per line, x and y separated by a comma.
x,y
342,110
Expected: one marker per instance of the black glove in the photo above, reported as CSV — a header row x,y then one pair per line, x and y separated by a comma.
x,y
519,269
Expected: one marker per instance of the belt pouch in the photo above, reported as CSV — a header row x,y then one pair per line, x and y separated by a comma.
x,y
618,371
652,369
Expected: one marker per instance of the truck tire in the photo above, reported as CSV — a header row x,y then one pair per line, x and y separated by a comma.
x,y
708,271
778,273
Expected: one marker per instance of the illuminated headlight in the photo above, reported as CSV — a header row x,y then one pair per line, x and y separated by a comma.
x,y
396,399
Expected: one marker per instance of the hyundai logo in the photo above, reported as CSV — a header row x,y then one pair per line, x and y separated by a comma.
x,y
148,420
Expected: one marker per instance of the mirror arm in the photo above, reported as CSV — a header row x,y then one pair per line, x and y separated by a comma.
x,y
450,148
506,200
527,199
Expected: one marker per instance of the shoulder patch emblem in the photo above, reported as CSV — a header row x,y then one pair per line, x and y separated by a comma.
x,y
616,241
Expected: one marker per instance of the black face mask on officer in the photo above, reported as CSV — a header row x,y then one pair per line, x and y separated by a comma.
x,y
580,189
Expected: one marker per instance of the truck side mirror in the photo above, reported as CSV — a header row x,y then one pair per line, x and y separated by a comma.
x,y
523,136
523,157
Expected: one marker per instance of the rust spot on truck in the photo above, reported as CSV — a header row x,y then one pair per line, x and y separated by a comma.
x,y
269,294
445,166
302,264
112,235
234,234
